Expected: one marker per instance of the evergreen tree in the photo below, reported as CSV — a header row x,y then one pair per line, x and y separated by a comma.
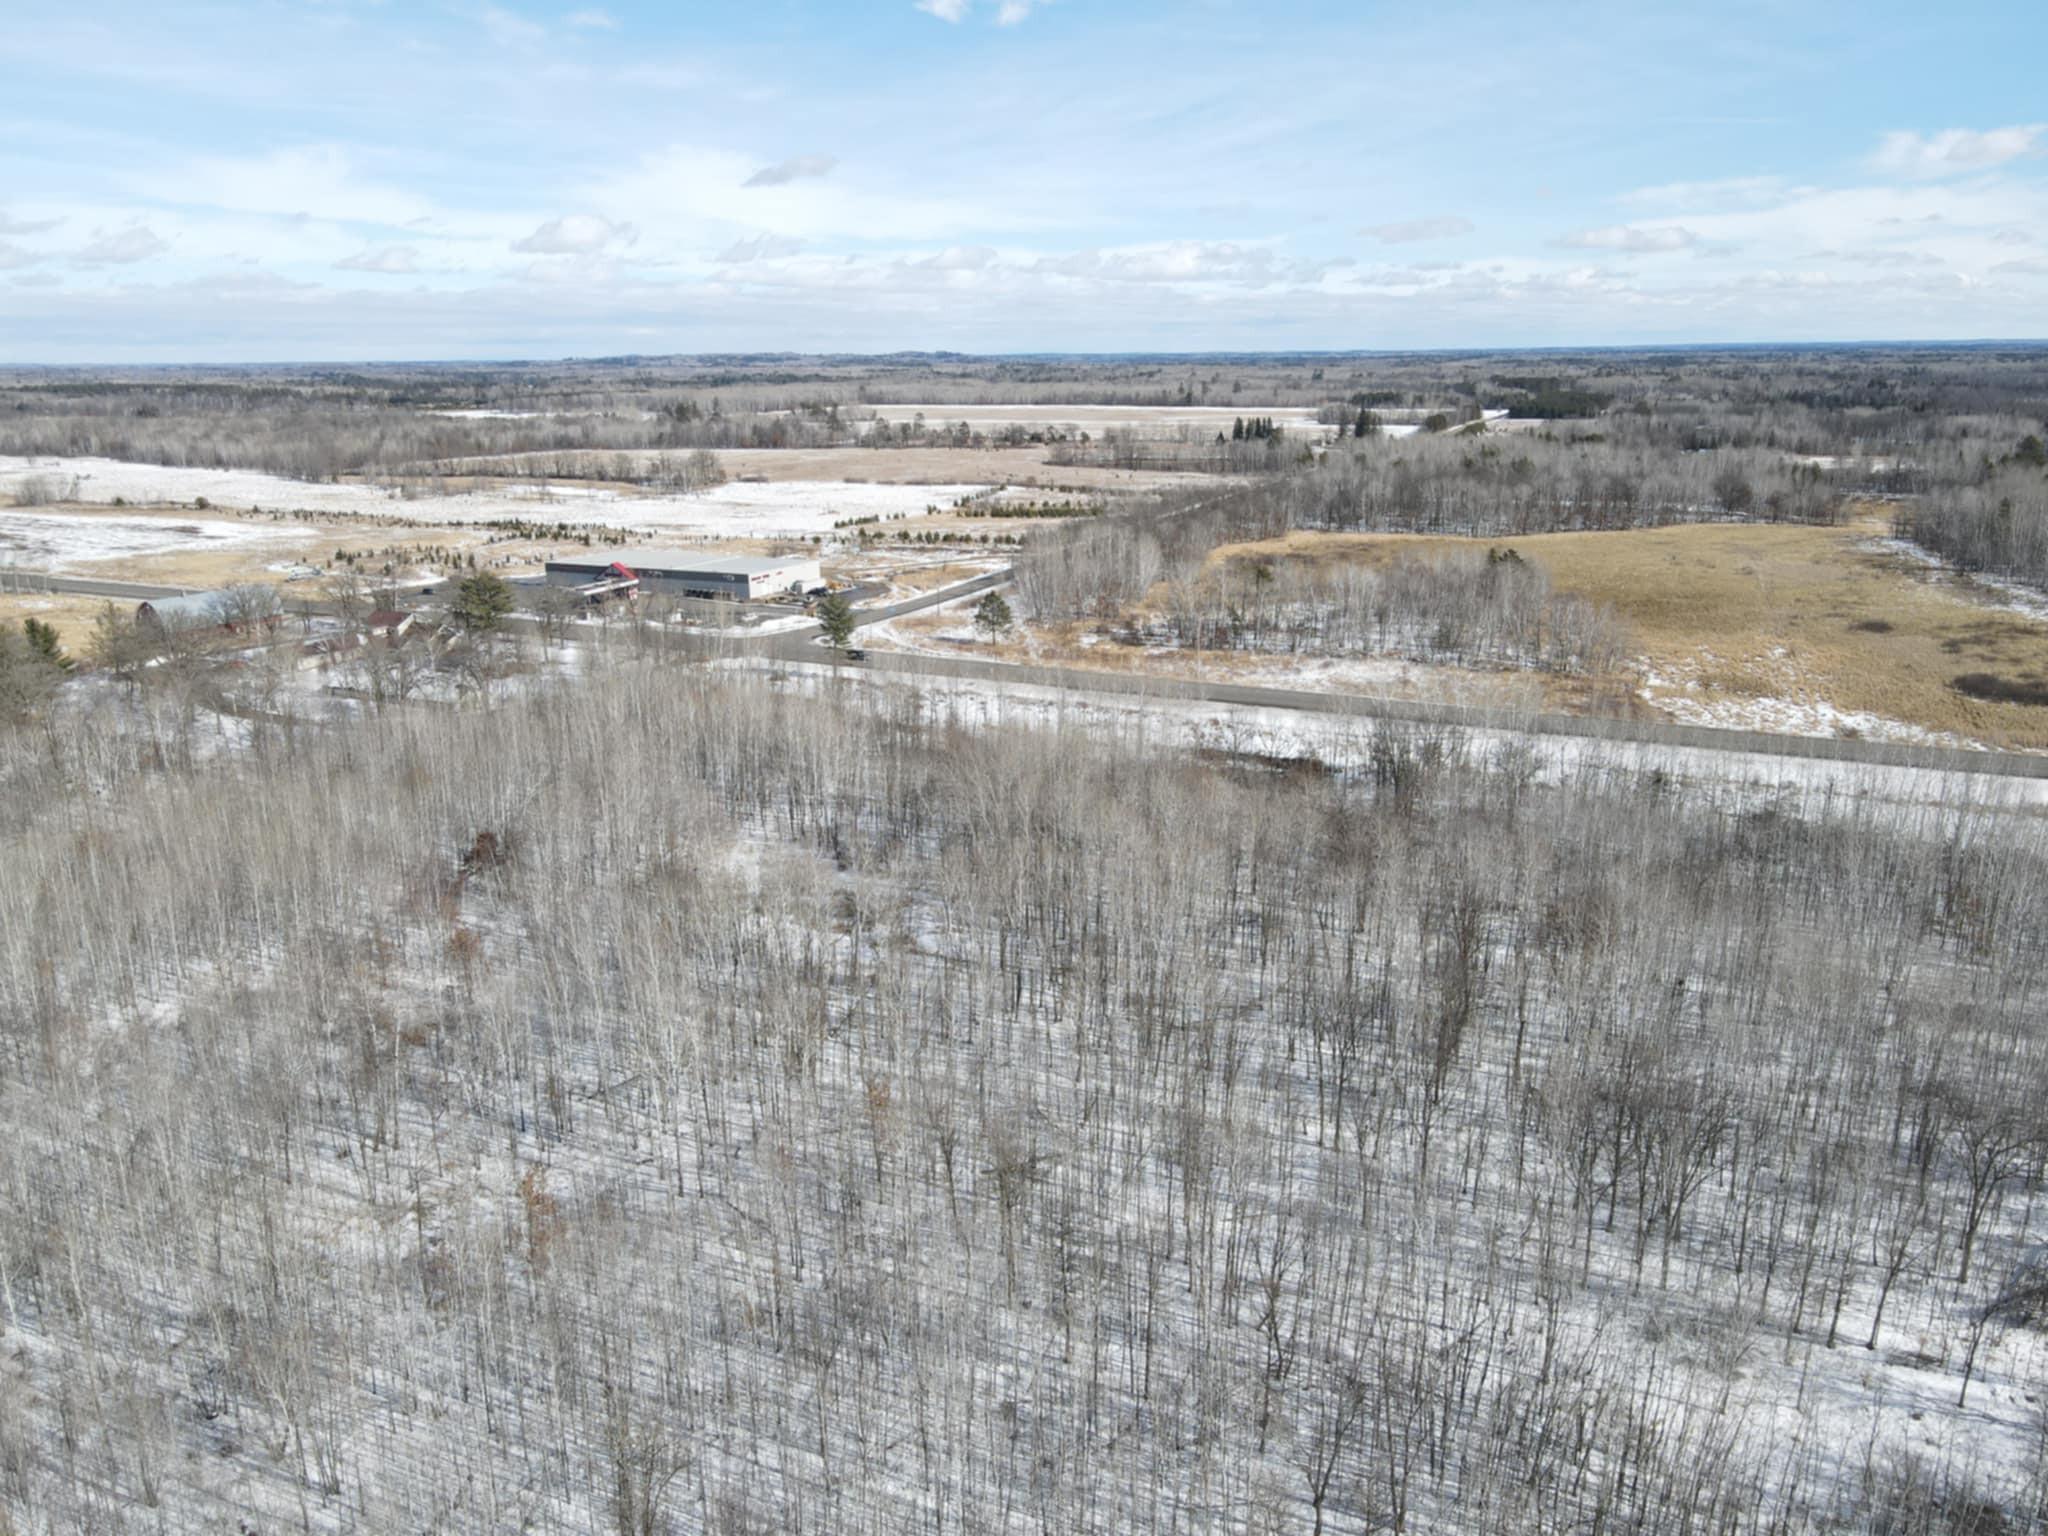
x,y
26,680
992,615
1237,431
835,620
42,643
482,602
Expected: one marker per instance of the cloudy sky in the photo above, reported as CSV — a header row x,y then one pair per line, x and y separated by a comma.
x,y
364,179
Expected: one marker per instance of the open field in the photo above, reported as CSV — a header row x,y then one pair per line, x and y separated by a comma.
x,y
1776,627
220,547
735,509
69,614
64,540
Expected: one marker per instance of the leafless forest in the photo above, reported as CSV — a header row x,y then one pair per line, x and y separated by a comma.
x,y
677,1105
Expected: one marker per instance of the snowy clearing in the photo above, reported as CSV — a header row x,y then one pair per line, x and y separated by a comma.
x,y
53,540
735,509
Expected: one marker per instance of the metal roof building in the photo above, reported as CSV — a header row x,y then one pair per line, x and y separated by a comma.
x,y
691,573
193,610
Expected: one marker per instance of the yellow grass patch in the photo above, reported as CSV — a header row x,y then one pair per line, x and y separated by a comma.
x,y
1750,612
71,616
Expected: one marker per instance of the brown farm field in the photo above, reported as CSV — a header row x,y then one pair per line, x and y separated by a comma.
x,y
1777,625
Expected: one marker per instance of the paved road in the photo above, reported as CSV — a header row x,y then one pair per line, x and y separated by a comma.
x,y
801,644
1364,706
133,591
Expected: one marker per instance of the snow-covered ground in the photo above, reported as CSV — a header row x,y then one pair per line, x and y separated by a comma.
x,y
1795,710
948,630
1790,783
1991,591
57,541
736,509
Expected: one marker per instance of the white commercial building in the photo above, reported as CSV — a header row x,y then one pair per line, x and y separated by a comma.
x,y
683,573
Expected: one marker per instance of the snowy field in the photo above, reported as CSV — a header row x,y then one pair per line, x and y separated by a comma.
x,y
733,510
56,541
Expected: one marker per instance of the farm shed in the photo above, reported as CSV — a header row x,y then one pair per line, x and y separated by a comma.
x,y
684,573
230,612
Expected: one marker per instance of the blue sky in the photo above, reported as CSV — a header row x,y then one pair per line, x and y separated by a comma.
x,y
386,179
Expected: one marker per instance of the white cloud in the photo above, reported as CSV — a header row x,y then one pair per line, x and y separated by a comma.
x,y
1730,192
960,258
315,180
1404,231
509,30
26,226
121,247
1640,239
593,20
760,248
13,258
1174,261
392,259
577,234
689,197
797,168
1008,12
1954,150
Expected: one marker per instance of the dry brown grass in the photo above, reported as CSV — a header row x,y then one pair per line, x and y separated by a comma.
x,y
1755,612
71,616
